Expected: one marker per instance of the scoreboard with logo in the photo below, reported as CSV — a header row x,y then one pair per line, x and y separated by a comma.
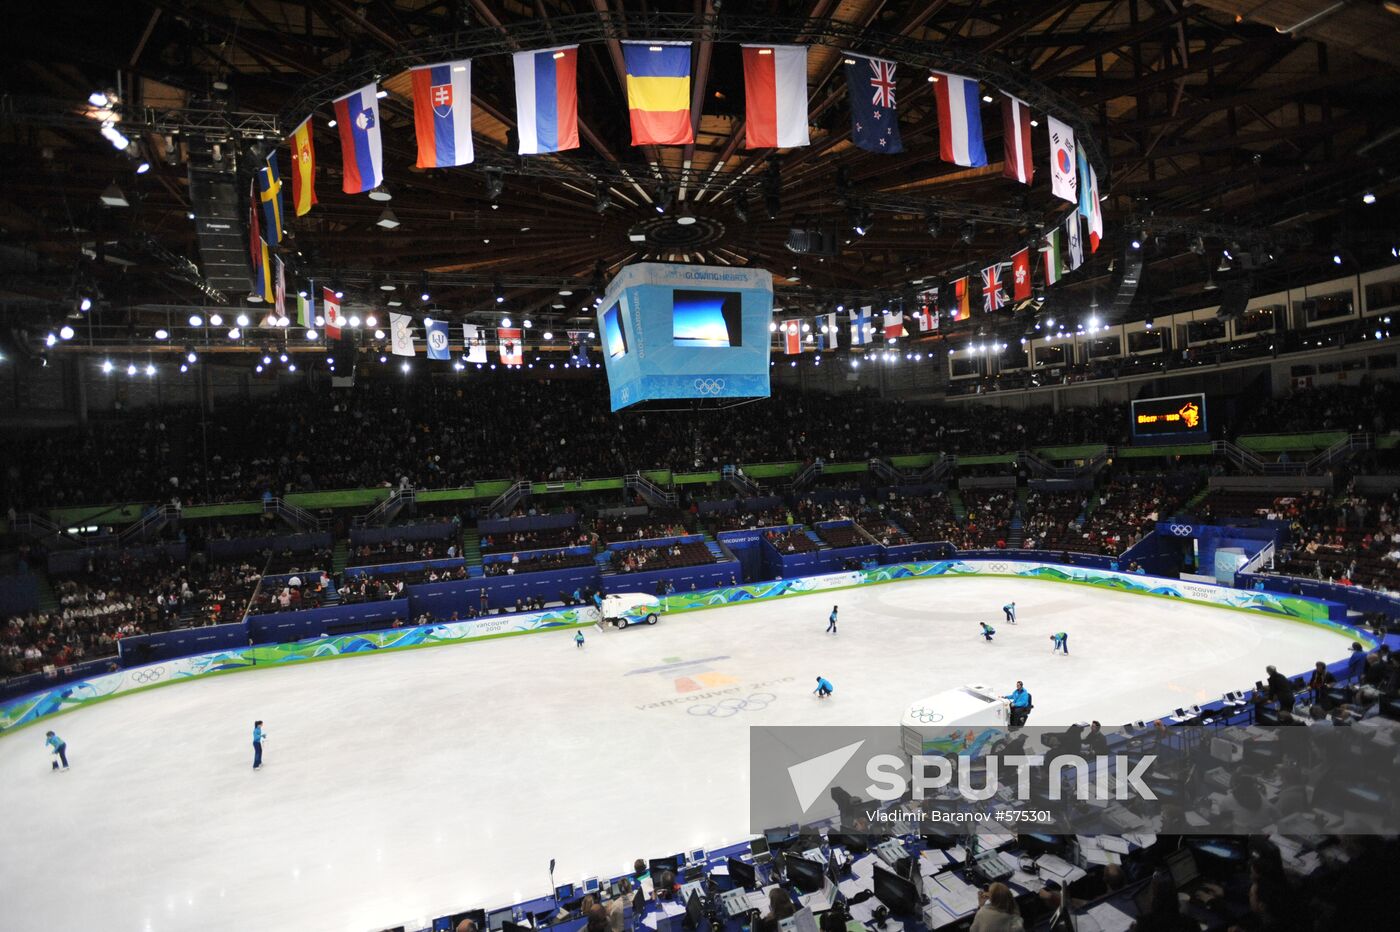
x,y
1178,416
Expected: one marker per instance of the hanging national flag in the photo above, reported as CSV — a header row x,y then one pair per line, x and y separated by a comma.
x,y
401,335
862,330
958,304
926,317
792,336
437,339
512,352
546,99
893,325
1021,276
1089,205
306,309
474,342
442,113
993,295
270,197
1052,255
361,150
331,320
279,287
1016,139
303,168
658,92
826,327
260,260
1062,149
1074,243
775,96
874,114
959,119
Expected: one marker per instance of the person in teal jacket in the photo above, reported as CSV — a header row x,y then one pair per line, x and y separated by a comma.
x,y
59,747
578,638
1061,641
258,737
824,688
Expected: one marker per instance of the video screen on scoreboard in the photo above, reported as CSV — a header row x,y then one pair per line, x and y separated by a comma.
x,y
614,338
707,318
1176,416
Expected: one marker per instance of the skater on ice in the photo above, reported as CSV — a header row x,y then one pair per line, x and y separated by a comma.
x,y
258,738
1009,610
578,638
59,748
831,621
824,688
987,631
1061,642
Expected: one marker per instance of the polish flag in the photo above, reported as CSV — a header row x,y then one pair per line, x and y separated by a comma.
x,y
775,92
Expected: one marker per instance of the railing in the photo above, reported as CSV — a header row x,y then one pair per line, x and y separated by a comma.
x,y
149,524
938,469
386,510
653,493
1045,469
505,503
736,478
295,515
42,529
1339,451
805,476
885,470
1264,558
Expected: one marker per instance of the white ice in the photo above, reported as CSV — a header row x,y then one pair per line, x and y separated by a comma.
x,y
408,785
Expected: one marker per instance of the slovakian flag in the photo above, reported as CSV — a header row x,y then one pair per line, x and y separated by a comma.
x,y
512,352
658,92
1021,275
959,119
330,306
862,330
1052,255
1062,150
893,325
270,196
874,114
775,96
361,149
1089,206
546,99
442,113
792,336
303,168
993,294
1016,139
827,330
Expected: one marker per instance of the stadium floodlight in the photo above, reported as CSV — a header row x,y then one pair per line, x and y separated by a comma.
x,y
65,332
196,320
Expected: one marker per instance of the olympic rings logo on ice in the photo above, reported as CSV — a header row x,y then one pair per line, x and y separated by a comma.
x,y
709,386
1181,530
152,675
726,708
926,716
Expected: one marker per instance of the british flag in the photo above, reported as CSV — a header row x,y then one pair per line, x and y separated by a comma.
x,y
993,295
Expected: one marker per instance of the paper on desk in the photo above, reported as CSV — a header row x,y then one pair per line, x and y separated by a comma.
x,y
863,912
953,892
720,870
1100,856
671,907
1058,868
1141,839
1109,917
1025,880
864,868
850,888
993,838
933,860
937,915
1113,843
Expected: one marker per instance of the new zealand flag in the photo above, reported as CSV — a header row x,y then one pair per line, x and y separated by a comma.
x,y
874,115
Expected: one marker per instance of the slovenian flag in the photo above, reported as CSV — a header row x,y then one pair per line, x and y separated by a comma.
x,y
442,113
361,150
959,119
775,96
546,99
658,92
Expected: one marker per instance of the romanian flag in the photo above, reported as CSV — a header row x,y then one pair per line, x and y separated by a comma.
x,y
658,93
303,168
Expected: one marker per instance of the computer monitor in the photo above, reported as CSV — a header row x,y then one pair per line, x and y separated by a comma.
x,y
496,920
856,844
696,857
450,923
939,841
694,911
1182,864
896,893
804,874
657,865
563,892
781,835
758,846
590,885
1230,849
742,874
1036,844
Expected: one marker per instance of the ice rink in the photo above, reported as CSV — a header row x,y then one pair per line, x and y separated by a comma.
x,y
407,785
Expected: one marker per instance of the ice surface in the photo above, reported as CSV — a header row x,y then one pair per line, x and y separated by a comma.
x,y
403,786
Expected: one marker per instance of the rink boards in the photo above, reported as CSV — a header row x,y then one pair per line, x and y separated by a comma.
x,y
77,694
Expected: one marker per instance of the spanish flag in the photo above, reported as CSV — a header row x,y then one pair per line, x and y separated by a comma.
x,y
303,168
658,92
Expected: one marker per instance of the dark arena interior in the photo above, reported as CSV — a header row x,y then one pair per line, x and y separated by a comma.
x,y
645,361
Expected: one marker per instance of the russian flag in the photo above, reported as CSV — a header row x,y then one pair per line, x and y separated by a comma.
x,y
775,96
546,99
442,114
361,151
959,120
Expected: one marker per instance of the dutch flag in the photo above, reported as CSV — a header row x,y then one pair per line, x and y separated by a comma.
x,y
959,120
442,114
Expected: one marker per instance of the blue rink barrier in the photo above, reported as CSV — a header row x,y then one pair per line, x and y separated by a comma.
x,y
305,638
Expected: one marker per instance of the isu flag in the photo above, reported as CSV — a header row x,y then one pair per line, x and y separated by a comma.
x,y
303,168
512,352
792,337
1021,276
442,114
546,99
775,95
959,119
658,92
331,305
361,148
1016,139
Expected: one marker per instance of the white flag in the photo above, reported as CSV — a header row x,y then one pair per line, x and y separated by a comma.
x,y
401,334
1073,233
1062,161
475,342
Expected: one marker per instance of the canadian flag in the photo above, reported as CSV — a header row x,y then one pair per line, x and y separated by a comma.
x,y
333,320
